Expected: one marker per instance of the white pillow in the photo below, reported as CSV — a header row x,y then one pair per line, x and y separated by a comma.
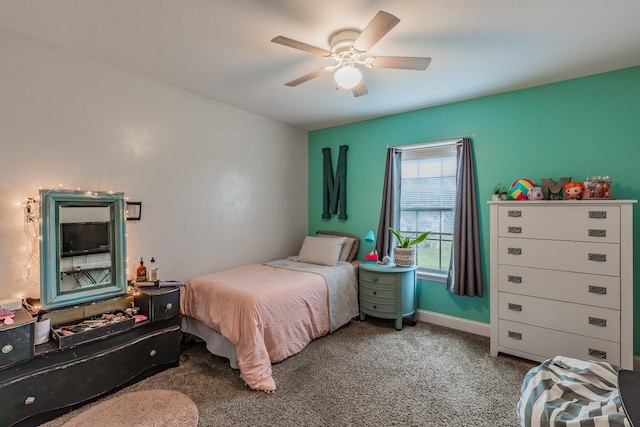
x,y
346,247
321,250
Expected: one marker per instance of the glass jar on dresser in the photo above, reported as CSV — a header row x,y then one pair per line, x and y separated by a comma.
x,y
562,279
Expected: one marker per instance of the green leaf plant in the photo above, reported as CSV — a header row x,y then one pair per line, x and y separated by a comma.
x,y
407,242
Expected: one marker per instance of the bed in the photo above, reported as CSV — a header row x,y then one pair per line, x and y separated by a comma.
x,y
259,314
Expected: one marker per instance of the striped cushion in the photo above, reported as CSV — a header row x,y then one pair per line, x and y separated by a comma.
x,y
570,392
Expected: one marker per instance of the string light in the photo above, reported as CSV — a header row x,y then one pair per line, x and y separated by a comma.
x,y
31,208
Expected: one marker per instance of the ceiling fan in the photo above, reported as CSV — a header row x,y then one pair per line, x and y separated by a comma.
x,y
348,48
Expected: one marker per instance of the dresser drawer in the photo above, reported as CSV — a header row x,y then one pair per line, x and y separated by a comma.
x,y
378,306
79,378
158,303
546,343
17,339
589,289
578,232
586,320
596,216
581,257
375,278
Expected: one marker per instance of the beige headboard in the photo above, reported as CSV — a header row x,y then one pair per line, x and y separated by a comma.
x,y
356,243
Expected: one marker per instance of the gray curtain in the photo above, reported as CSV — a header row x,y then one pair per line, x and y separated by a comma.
x,y
390,211
465,272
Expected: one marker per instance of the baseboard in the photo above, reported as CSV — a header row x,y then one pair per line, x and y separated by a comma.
x,y
478,328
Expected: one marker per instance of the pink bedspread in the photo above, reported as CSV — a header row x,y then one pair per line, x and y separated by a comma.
x,y
267,313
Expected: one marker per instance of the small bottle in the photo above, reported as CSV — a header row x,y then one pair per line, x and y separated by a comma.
x,y
141,272
154,271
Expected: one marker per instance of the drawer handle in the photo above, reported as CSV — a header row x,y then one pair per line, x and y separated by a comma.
x,y
374,279
7,348
514,214
598,214
598,257
514,279
169,306
375,292
515,307
153,353
515,335
597,353
29,400
596,321
600,290
597,233
514,230
375,307
514,251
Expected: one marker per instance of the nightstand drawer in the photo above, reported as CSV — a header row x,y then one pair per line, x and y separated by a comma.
x,y
378,306
377,278
378,292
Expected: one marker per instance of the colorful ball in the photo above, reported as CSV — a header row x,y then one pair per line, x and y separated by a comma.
x,y
520,188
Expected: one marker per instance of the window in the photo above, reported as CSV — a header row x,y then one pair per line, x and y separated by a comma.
x,y
427,202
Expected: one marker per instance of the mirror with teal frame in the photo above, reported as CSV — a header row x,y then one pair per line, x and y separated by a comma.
x,y
82,247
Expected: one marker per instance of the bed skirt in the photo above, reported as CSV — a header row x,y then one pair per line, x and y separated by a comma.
x,y
216,343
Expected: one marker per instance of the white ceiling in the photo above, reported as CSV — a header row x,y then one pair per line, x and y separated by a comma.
x,y
221,49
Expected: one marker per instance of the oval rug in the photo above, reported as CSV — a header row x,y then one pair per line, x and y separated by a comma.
x,y
140,409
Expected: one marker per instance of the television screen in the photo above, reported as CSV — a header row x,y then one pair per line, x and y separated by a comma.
x,y
84,238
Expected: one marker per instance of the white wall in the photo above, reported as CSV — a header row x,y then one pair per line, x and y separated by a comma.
x,y
219,187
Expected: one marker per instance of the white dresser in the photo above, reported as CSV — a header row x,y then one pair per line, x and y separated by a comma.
x,y
562,279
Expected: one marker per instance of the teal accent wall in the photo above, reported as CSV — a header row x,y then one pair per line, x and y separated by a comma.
x,y
581,127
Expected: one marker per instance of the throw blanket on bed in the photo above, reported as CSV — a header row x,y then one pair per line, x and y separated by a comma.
x,y
566,392
341,285
267,313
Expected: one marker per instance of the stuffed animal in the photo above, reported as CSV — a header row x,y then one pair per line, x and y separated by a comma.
x,y
535,193
519,188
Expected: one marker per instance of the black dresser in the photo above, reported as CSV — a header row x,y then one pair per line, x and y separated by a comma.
x,y
56,380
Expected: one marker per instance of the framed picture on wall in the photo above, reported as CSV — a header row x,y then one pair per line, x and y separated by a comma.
x,y
134,211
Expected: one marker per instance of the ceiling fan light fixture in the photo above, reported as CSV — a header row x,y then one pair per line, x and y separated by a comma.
x,y
347,77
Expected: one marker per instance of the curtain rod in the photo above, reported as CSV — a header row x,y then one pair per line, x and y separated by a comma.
x,y
429,144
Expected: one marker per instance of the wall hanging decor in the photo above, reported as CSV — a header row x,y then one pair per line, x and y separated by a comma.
x,y
334,191
134,211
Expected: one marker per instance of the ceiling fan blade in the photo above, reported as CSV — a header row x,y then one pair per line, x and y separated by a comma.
x,y
307,77
399,62
286,41
380,25
360,89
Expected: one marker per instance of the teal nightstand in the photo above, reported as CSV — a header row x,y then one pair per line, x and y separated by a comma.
x,y
388,292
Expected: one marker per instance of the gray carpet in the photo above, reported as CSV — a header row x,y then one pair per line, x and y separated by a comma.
x,y
365,374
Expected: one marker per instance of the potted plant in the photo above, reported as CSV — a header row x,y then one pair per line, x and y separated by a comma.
x,y
403,254
499,192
